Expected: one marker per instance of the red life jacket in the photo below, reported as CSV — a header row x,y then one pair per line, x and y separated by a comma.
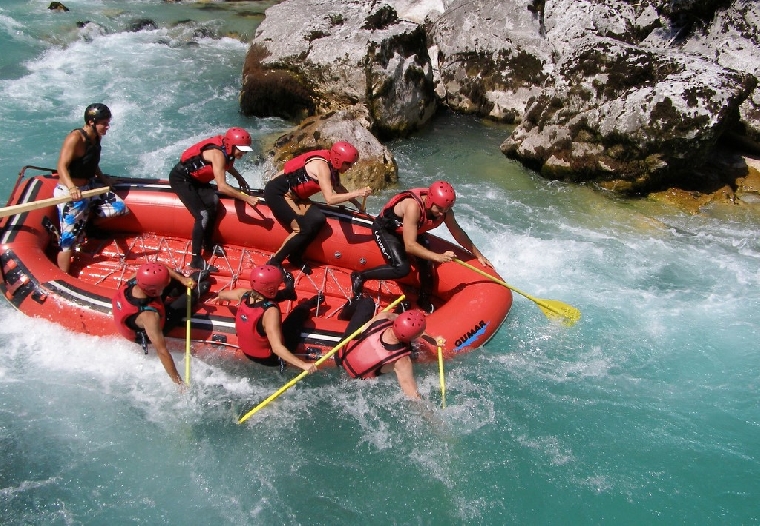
x,y
126,308
365,356
418,194
301,183
247,324
197,167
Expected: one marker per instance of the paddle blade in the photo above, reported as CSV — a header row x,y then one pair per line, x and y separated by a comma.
x,y
553,309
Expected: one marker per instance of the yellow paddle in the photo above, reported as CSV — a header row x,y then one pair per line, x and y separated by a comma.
x,y
187,342
42,203
443,380
553,309
332,351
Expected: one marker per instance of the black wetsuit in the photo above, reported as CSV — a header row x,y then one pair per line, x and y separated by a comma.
x,y
309,223
201,200
391,245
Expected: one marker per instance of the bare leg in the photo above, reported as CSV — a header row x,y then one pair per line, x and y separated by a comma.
x,y
64,260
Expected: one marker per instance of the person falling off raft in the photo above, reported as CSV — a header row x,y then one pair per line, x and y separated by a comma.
x,y
385,345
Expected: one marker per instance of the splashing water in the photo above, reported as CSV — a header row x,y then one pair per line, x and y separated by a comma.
x,y
643,412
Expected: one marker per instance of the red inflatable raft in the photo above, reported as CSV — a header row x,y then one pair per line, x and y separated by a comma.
x,y
469,307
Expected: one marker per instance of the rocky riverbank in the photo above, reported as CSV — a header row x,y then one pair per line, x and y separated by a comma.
x,y
635,97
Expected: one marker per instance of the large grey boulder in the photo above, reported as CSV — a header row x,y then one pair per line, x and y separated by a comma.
x,y
489,58
635,117
732,39
375,167
315,56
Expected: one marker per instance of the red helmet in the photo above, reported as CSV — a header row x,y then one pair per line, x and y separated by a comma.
x,y
343,152
442,194
266,279
237,137
409,325
152,278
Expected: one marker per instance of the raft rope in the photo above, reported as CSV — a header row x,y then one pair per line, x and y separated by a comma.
x,y
177,258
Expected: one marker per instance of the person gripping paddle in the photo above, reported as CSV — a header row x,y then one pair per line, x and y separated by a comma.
x,y
78,171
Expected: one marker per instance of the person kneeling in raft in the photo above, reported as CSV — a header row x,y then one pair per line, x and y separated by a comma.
x,y
152,303
288,193
399,231
259,324
384,346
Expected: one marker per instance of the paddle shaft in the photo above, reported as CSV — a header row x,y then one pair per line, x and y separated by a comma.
x,y
443,379
187,341
551,308
332,351
35,205
492,278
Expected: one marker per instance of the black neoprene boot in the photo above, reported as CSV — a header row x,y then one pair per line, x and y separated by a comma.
x,y
357,284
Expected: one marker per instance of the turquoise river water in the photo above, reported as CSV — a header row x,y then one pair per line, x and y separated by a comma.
x,y
645,412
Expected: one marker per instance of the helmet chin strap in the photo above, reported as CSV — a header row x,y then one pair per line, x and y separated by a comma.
x,y
228,154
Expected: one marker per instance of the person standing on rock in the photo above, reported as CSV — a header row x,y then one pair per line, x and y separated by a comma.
x,y
209,160
287,194
79,170
399,232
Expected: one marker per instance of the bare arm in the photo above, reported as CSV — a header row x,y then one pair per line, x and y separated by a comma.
x,y
383,315
333,196
343,190
411,216
186,281
150,321
439,341
273,328
235,295
242,183
106,180
218,162
405,375
461,237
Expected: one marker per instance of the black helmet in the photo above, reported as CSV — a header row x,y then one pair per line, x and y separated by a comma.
x,y
96,112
